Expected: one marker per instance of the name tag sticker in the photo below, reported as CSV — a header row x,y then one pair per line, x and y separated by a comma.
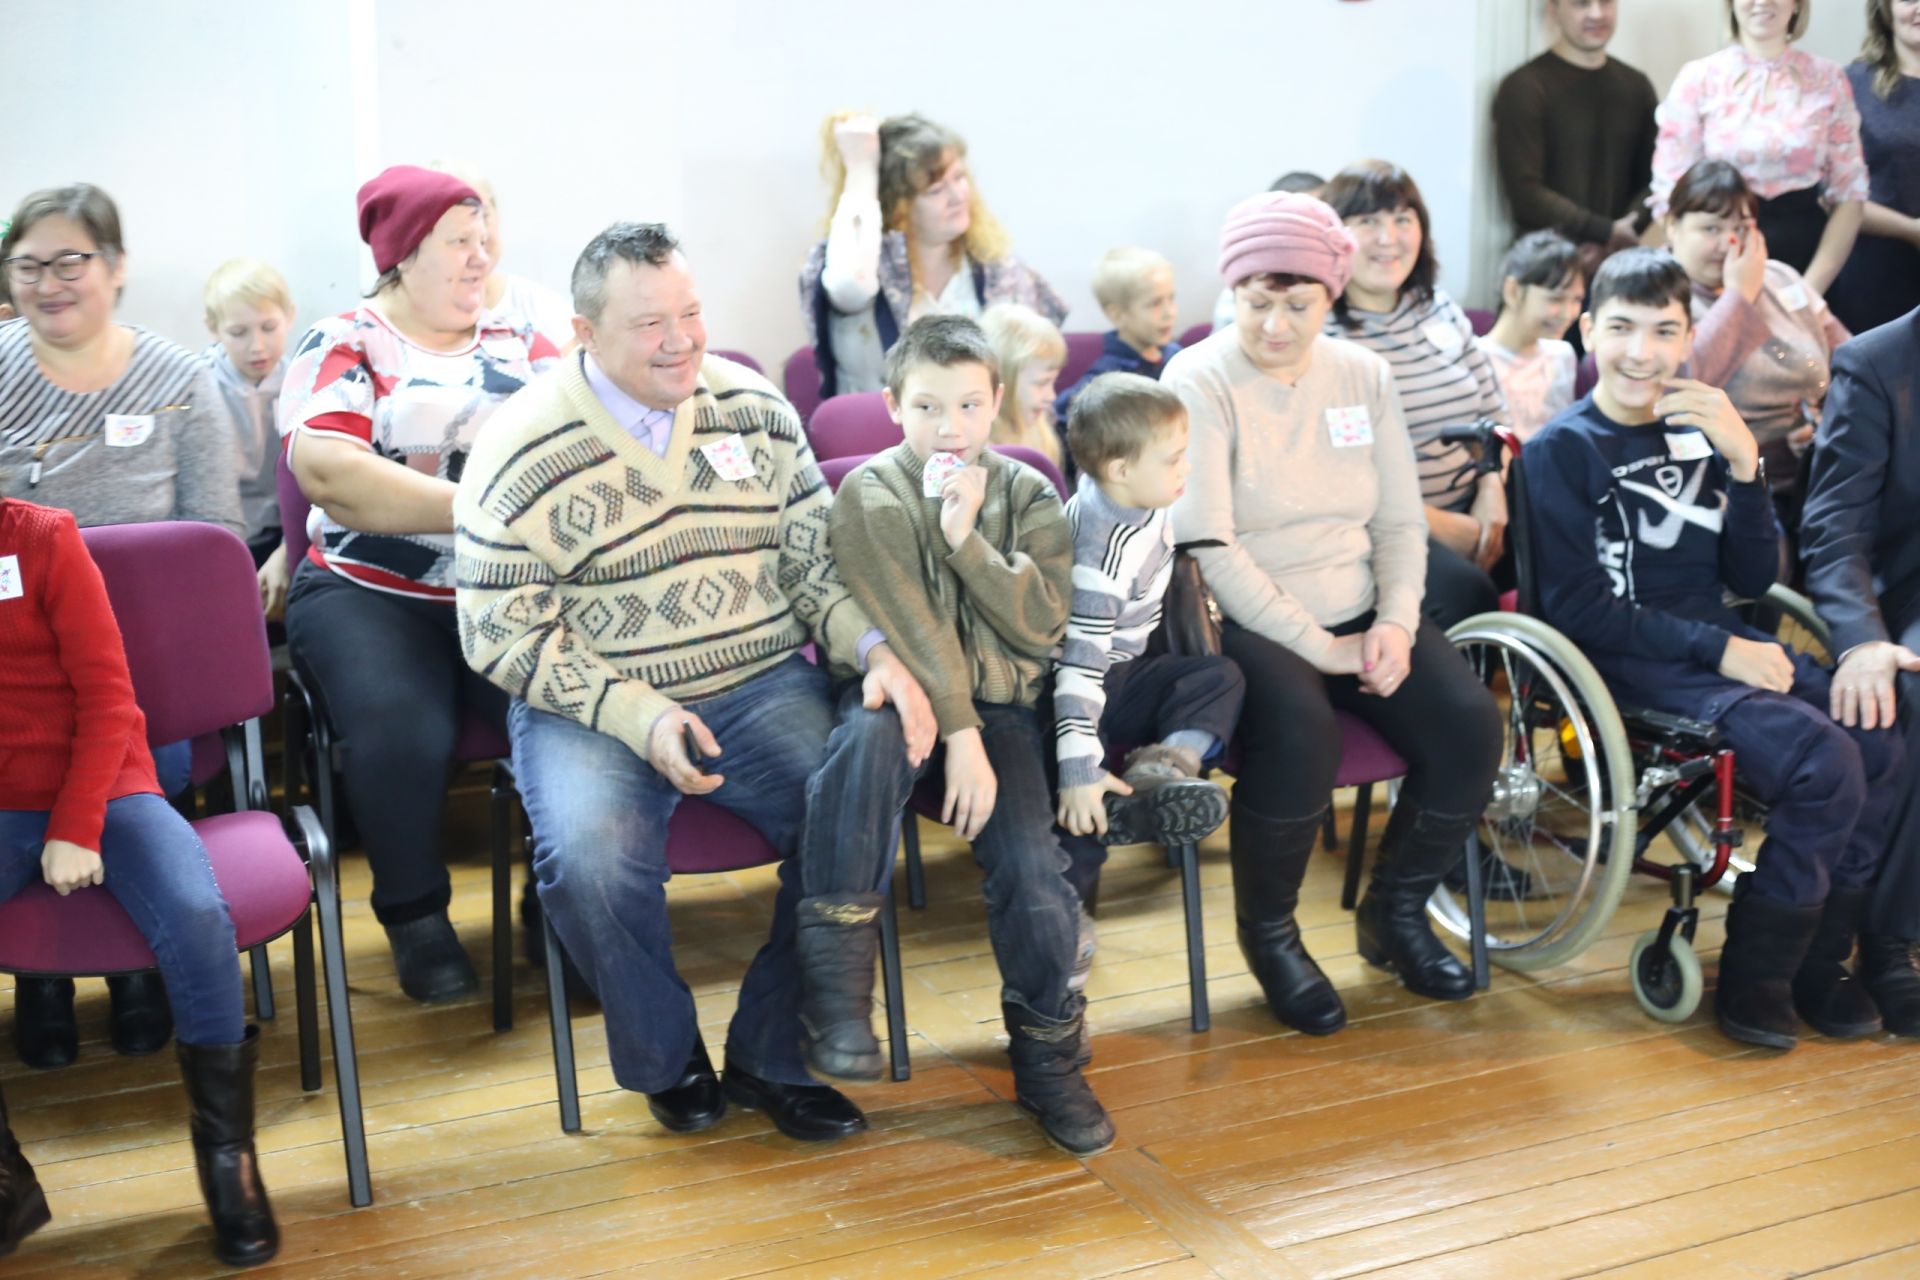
x,y
940,468
11,587
125,430
1442,335
1688,446
1349,427
728,457
1793,297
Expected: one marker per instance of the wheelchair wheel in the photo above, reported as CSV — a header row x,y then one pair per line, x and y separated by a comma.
x,y
1666,980
1562,815
1800,626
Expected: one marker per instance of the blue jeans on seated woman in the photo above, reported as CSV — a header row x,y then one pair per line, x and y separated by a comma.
x,y
599,815
157,869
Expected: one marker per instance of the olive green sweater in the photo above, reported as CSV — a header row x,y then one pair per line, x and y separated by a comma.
x,y
978,623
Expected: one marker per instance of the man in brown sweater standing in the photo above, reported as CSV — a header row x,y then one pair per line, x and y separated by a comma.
x,y
963,560
1574,132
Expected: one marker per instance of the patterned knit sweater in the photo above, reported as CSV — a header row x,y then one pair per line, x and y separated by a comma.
x,y
600,581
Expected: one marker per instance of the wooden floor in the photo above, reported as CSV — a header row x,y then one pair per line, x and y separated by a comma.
x,y
1543,1129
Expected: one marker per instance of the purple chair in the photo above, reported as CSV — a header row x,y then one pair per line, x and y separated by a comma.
x,y
800,378
1198,332
1482,321
1586,377
738,357
845,426
306,727
1082,350
189,610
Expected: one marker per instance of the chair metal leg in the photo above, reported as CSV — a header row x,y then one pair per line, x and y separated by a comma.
x,y
563,1069
916,873
306,1003
890,978
1330,835
1202,1017
1477,913
498,834
1356,845
262,984
346,1064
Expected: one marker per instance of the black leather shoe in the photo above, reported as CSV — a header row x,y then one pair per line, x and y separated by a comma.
x,y
142,1020
44,1032
432,965
805,1112
695,1101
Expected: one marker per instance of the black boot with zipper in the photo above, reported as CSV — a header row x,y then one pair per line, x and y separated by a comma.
x,y
1269,857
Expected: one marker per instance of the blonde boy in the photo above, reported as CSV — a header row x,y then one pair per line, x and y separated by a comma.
x,y
1134,288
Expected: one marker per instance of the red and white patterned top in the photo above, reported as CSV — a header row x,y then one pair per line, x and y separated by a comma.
x,y
1786,124
356,376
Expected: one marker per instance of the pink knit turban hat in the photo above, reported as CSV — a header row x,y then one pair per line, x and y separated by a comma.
x,y
1286,234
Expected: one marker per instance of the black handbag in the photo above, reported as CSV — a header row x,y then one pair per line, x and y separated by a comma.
x,y
1189,615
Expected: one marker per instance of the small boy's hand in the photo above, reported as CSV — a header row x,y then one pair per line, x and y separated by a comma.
x,y
1083,810
1759,663
889,681
67,866
272,578
960,501
972,787
1688,403
858,138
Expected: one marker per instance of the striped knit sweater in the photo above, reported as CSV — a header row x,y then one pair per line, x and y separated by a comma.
x,y
1122,560
1444,380
600,581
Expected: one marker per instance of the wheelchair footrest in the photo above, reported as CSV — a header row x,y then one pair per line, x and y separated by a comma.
x,y
1676,731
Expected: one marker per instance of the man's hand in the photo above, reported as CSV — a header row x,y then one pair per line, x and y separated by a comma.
x,y
1386,656
1759,663
889,681
1624,236
972,787
1746,265
667,752
273,578
1863,686
1489,511
1346,657
858,139
1688,403
66,866
960,500
1083,810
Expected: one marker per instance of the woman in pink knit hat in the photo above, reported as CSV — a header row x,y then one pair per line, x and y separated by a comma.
x,y
1304,512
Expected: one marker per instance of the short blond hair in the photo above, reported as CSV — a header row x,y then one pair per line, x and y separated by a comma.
x,y
244,280
1122,275
1021,336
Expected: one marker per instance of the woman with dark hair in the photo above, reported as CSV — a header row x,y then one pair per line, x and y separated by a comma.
x,y
1881,281
1761,332
1786,119
378,411
1392,307
908,236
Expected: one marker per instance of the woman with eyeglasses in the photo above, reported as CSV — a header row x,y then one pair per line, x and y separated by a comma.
x,y
118,426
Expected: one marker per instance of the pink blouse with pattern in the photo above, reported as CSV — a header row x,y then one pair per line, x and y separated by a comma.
x,y
1786,124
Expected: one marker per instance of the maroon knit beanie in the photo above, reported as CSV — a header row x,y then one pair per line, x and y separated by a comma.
x,y
1286,234
399,205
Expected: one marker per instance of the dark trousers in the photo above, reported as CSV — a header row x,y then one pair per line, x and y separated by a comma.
x,y
1441,721
1457,588
853,820
398,690
1148,699
1830,791
1896,896
1793,223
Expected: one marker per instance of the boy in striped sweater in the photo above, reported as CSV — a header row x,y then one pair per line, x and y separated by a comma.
x,y
1128,435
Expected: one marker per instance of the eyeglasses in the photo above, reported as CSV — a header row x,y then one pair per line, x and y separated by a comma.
x,y
68,266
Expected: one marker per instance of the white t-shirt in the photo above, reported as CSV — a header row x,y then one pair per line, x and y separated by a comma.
x,y
1538,386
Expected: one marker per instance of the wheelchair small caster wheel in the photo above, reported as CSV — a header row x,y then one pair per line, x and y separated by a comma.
x,y
1666,979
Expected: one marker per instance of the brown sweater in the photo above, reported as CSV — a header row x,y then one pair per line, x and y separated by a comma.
x,y
978,623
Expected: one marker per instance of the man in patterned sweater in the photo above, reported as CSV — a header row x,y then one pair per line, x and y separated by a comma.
x,y
641,553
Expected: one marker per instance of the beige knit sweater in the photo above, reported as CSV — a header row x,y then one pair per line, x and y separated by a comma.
x,y
601,581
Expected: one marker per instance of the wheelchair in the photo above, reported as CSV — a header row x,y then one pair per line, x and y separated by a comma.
x,y
1586,786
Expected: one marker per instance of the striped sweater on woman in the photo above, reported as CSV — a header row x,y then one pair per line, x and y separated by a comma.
x,y
1444,380
598,580
1122,561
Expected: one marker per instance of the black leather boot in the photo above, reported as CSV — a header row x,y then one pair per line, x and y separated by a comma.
x,y
1766,944
1891,968
694,1101
45,1034
837,941
1046,1077
220,1087
1269,857
23,1206
1390,926
1826,994
141,1021
432,965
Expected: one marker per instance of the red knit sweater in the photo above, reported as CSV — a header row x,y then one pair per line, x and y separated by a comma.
x,y
71,737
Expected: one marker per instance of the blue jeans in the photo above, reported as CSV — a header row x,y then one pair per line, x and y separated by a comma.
x,y
173,766
157,869
853,814
599,816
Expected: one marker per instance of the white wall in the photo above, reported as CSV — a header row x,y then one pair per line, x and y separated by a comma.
x,y
1657,36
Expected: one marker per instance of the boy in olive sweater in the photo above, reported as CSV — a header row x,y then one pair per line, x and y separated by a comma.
x,y
963,560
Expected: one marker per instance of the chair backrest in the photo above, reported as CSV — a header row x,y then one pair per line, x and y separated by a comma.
x,y
738,357
1482,321
1082,350
188,606
837,469
800,378
1586,377
852,424
1198,333
293,513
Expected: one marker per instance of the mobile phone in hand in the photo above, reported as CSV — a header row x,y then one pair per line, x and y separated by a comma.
x,y
695,756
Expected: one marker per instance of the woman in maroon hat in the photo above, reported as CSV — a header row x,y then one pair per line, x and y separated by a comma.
x,y
1304,511
380,406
